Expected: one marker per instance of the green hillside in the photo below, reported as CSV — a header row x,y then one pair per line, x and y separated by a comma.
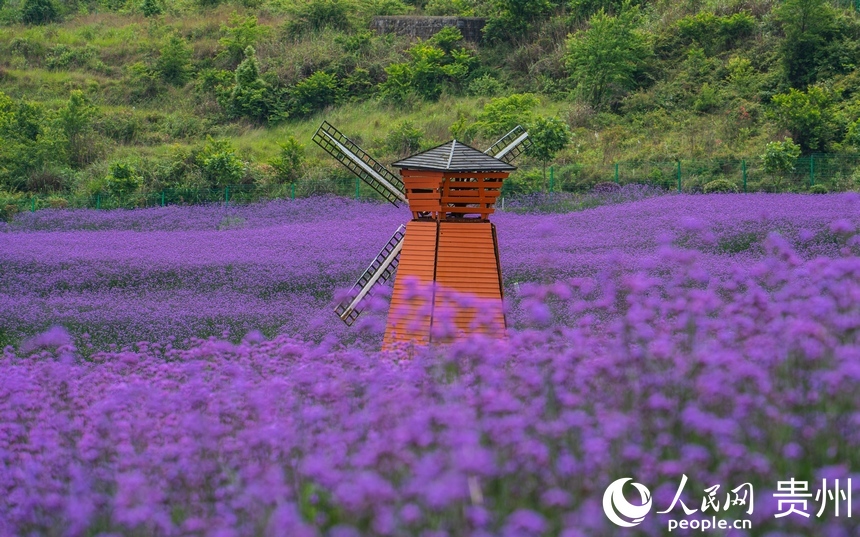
x,y
131,97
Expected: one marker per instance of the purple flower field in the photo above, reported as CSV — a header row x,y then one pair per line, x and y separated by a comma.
x,y
713,337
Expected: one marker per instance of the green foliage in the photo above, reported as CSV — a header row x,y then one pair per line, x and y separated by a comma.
x,y
512,19
404,139
779,158
39,12
174,63
548,136
818,189
151,8
316,15
485,86
719,185
76,122
313,94
251,96
219,164
437,64
808,26
290,161
713,33
239,34
143,82
27,142
809,117
608,59
123,180
498,116
62,56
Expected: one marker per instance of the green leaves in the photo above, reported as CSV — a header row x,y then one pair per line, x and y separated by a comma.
x,y
608,58
437,64
809,117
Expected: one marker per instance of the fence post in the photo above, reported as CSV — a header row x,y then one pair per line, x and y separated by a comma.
x,y
744,170
357,188
551,178
293,191
679,176
33,204
162,198
99,200
811,169
616,173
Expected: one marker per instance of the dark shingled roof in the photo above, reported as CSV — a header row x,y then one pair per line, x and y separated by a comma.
x,y
454,156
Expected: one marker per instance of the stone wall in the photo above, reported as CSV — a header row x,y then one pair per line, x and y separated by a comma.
x,y
425,27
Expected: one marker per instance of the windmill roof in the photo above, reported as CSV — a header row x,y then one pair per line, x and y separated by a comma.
x,y
454,156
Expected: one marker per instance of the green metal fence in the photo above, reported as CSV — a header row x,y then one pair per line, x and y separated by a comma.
x,y
833,172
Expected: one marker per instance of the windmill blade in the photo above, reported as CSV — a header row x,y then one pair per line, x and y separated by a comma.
x,y
511,145
347,152
380,270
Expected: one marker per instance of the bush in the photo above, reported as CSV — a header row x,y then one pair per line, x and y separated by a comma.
x,y
719,185
315,15
220,164
38,12
314,93
287,166
404,139
123,180
818,189
174,63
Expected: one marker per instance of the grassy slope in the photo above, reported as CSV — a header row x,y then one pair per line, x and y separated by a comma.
x,y
177,117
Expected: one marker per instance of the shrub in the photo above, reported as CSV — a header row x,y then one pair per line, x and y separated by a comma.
x,y
151,8
38,12
818,189
288,164
123,180
220,164
485,86
314,93
404,139
315,15
779,159
719,185
250,96
174,63
240,34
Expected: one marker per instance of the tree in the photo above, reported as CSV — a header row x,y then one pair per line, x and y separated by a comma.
x,y
250,95
809,25
548,136
174,63
498,116
779,158
809,117
608,58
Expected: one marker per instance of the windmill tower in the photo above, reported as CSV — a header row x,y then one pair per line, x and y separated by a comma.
x,y
448,250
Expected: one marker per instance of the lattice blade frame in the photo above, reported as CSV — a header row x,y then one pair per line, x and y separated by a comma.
x,y
381,269
348,153
511,145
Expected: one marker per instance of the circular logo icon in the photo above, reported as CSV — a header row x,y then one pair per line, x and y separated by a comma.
x,y
619,510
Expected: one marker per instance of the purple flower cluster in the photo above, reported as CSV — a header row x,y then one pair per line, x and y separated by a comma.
x,y
750,377
716,337
178,272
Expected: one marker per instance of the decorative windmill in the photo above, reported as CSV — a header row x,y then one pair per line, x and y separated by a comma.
x,y
449,248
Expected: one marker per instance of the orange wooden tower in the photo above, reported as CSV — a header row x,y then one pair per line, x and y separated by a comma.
x,y
446,257
450,255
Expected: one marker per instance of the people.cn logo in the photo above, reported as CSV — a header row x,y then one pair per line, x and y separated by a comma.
x,y
619,510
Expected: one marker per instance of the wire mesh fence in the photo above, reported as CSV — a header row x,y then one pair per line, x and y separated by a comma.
x,y
831,172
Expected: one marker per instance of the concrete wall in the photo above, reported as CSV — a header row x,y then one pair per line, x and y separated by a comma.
x,y
425,27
